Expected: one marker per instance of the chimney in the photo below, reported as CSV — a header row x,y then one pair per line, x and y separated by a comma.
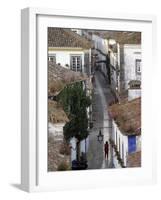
x,y
134,90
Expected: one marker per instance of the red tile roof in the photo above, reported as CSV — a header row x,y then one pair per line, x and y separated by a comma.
x,y
127,116
56,114
124,37
134,159
55,157
59,76
60,37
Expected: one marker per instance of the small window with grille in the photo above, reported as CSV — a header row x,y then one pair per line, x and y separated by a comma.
x,y
76,63
52,59
138,66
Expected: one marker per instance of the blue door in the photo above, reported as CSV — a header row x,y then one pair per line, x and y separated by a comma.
x,y
131,143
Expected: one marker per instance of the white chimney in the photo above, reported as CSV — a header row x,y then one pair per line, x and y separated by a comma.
x,y
134,90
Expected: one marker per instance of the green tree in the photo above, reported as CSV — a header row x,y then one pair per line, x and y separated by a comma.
x,y
76,102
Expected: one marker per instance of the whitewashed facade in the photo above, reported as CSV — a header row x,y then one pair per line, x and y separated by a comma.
x,y
63,56
133,93
115,66
126,60
131,63
69,49
83,147
56,130
102,45
121,142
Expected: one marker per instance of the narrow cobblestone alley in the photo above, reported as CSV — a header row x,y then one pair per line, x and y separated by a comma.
x,y
101,98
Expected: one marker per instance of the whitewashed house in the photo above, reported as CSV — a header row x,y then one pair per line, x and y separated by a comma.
x,y
83,147
126,133
69,49
131,63
124,51
134,90
121,53
125,66
114,57
101,51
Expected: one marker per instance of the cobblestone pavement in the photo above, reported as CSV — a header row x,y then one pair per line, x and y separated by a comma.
x,y
101,98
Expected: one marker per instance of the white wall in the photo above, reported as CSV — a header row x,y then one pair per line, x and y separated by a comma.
x,y
114,78
138,143
101,44
10,140
113,59
63,57
131,53
124,144
123,141
83,147
133,94
73,143
56,130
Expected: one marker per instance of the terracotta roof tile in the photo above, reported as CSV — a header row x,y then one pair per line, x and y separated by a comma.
x,y
124,37
59,76
56,114
127,116
55,158
134,159
60,37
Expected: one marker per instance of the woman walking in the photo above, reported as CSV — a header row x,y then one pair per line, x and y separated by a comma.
x,y
106,150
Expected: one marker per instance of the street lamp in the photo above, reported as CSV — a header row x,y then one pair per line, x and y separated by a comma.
x,y
100,137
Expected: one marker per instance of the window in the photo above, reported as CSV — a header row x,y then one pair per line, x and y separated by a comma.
x,y
138,66
52,59
76,63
